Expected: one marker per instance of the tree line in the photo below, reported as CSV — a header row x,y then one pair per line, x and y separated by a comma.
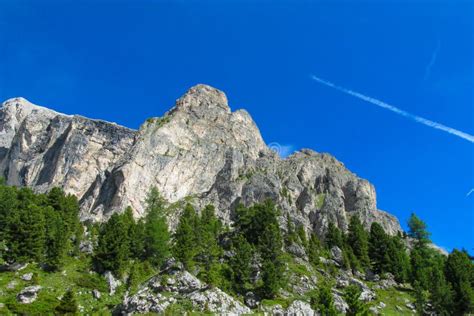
x,y
247,257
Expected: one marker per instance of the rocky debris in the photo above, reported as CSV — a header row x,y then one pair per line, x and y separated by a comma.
x,y
12,284
251,300
337,256
411,306
274,310
371,276
297,250
28,295
2,305
300,308
199,148
96,294
27,276
86,246
387,282
13,267
112,282
344,279
339,302
176,285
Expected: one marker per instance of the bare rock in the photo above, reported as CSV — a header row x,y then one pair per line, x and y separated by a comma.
x,y
300,308
28,295
112,282
337,256
200,148
27,276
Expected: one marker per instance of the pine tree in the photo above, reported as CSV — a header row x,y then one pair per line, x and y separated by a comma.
x,y
378,248
8,205
209,249
56,240
290,236
272,276
156,234
241,263
441,295
185,237
356,306
334,237
112,251
357,240
67,305
27,234
314,246
397,260
418,230
323,301
459,271
302,236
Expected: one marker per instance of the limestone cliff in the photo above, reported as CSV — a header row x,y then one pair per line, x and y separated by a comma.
x,y
200,149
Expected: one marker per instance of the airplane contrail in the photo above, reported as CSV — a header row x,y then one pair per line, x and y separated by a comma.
x,y
396,110
432,61
469,193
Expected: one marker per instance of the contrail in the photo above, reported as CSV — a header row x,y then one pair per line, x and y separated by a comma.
x,y
432,61
470,192
392,108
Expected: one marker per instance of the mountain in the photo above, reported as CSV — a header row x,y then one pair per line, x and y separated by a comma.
x,y
199,150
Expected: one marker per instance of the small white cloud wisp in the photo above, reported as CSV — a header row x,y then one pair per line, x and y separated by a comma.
x,y
396,110
470,192
432,61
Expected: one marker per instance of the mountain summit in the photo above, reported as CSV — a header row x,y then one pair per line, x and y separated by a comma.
x,y
199,150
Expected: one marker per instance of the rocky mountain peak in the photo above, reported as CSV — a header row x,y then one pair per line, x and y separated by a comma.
x,y
203,101
200,150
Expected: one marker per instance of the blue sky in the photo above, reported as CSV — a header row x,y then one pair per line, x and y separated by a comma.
x,y
124,61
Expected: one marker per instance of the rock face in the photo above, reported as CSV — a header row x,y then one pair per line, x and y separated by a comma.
x,y
29,294
200,149
176,285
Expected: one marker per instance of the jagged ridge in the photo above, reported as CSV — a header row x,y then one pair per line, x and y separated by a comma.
x,y
200,149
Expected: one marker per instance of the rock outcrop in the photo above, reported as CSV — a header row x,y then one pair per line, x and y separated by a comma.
x,y
200,149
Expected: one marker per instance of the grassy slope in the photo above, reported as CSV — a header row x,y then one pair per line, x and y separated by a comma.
x,y
74,275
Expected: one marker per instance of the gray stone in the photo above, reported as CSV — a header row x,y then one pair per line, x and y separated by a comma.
x,y
297,250
112,282
12,284
27,276
339,303
251,300
336,255
28,295
300,308
96,294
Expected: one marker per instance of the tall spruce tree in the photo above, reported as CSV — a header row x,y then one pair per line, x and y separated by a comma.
x,y
56,239
459,271
356,306
209,249
185,239
112,251
68,305
313,250
241,263
323,301
334,237
378,248
418,230
358,241
156,235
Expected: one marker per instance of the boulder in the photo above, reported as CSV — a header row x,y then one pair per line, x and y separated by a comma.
x,y
300,308
112,282
96,294
251,300
28,295
27,276
337,256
